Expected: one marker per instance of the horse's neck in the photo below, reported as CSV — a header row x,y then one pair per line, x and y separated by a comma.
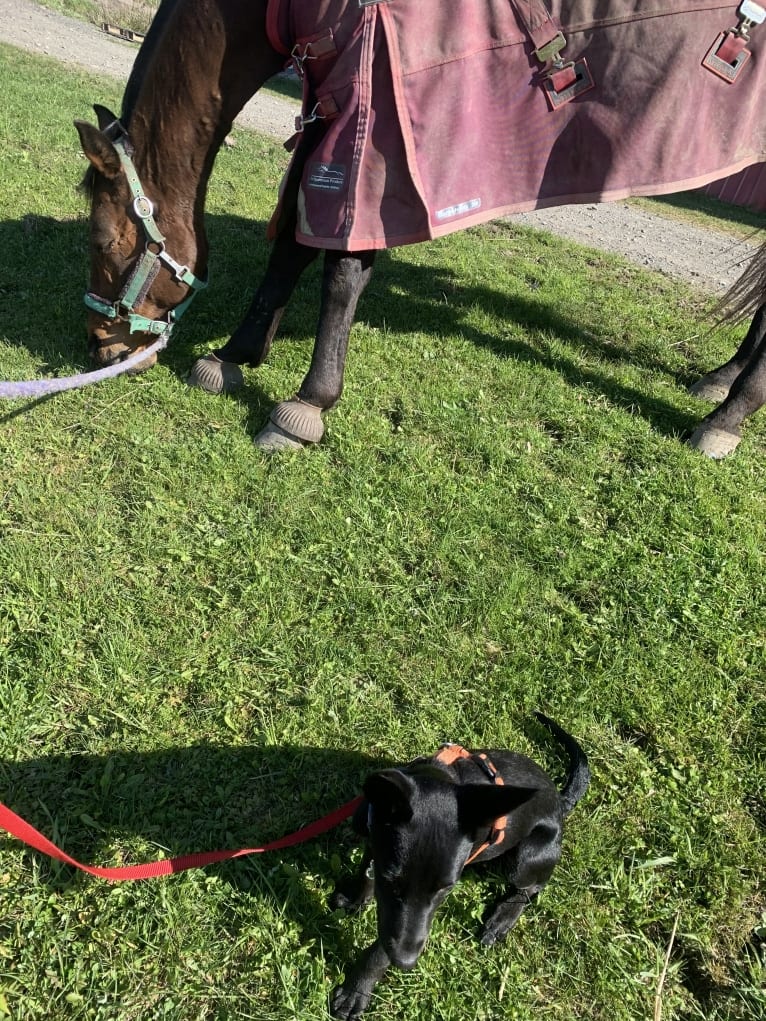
x,y
177,127
210,57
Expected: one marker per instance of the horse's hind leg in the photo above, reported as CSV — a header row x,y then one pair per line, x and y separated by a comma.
x,y
219,372
715,385
298,421
719,433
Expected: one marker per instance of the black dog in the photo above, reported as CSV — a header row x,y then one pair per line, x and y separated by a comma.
x,y
425,822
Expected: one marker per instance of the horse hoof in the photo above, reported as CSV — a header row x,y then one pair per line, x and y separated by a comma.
x,y
708,391
715,443
215,376
271,439
291,425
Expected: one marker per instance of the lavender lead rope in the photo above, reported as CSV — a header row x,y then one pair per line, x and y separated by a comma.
x,y
43,387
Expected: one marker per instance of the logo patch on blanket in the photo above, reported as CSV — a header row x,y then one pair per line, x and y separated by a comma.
x,y
326,176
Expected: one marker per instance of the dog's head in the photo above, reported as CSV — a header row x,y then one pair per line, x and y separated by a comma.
x,y
422,828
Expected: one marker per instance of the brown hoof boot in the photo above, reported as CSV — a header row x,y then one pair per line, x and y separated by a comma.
x,y
215,376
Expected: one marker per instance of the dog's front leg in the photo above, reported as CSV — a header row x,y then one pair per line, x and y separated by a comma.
x,y
505,914
353,893
350,1000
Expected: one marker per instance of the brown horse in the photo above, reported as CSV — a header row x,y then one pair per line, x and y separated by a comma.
x,y
201,61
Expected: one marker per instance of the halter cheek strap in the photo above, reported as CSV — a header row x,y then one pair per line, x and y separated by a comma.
x,y
153,257
449,754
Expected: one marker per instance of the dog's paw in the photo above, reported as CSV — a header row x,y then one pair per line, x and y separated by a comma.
x,y
494,931
350,900
339,901
349,1003
496,927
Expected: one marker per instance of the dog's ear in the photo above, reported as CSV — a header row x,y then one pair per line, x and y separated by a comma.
x,y
390,794
480,805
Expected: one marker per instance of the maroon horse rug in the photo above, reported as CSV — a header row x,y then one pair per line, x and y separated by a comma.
x,y
441,114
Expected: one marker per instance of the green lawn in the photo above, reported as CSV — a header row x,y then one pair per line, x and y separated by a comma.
x,y
134,14
202,647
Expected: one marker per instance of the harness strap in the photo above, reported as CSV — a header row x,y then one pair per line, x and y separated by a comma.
x,y
447,755
543,29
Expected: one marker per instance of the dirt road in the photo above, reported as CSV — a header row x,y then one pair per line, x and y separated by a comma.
x,y
707,259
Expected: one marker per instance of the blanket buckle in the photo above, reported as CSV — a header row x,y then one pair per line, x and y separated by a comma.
x,y
562,80
729,54
325,109
318,48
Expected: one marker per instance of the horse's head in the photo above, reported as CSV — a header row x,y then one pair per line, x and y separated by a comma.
x,y
137,288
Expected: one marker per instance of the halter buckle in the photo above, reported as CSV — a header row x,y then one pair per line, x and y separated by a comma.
x,y
143,207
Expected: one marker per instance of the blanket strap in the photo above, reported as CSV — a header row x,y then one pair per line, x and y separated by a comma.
x,y
561,80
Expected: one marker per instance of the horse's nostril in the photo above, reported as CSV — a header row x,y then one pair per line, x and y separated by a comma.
x,y
92,346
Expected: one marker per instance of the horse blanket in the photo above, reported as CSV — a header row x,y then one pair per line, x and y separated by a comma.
x,y
441,114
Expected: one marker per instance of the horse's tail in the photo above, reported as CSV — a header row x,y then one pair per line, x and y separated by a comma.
x,y
579,774
746,295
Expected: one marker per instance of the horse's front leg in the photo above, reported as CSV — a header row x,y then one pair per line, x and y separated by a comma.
x,y
298,421
219,372
719,433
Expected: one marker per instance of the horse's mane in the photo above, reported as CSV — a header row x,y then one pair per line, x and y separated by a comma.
x,y
141,65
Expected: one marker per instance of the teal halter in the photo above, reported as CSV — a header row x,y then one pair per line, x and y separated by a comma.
x,y
148,265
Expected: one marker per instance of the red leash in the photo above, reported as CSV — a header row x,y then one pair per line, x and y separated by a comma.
x,y
22,830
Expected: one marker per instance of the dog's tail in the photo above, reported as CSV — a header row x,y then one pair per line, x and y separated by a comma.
x,y
579,773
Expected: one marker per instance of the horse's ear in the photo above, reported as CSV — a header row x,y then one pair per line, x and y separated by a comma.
x,y
105,116
99,150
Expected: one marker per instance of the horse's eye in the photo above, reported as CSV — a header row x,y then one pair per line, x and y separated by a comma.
x,y
103,243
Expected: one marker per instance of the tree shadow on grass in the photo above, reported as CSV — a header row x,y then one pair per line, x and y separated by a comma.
x,y
43,270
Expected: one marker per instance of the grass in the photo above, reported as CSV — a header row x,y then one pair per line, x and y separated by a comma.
x,y
201,647
133,14
708,213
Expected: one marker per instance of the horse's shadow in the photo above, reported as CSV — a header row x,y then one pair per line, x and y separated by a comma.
x,y
185,800
48,318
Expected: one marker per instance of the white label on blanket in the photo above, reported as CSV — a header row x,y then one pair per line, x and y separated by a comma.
x,y
459,210
327,176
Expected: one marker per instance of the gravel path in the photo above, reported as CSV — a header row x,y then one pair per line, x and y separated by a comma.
x,y
707,259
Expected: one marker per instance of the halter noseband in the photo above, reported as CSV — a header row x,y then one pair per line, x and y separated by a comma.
x,y
148,265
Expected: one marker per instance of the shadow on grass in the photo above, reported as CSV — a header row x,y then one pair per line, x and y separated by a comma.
x,y
183,800
202,798
43,268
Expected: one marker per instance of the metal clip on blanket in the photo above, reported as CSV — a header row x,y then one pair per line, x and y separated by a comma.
x,y
562,80
729,54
